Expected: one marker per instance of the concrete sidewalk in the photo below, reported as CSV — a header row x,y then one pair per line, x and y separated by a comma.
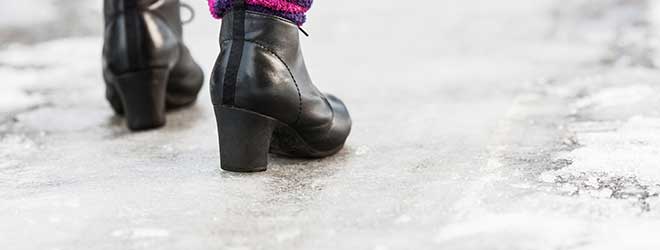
x,y
478,125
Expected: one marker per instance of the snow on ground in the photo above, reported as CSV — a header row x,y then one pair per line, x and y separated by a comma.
x,y
613,169
576,164
609,168
616,134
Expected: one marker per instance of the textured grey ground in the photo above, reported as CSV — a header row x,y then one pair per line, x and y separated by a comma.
x,y
479,124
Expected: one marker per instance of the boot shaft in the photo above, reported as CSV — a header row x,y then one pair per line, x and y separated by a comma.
x,y
261,68
278,34
259,64
167,10
141,34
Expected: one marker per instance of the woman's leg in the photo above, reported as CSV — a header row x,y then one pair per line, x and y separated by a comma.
x,y
294,10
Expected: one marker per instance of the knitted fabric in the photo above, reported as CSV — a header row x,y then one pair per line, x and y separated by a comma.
x,y
293,10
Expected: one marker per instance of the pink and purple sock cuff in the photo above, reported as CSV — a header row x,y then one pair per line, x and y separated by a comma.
x,y
293,10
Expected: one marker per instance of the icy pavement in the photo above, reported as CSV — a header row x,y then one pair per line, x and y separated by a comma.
x,y
479,124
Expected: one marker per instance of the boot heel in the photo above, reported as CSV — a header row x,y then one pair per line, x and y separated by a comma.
x,y
143,96
244,139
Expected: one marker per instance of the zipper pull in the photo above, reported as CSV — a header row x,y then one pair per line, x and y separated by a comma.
x,y
303,31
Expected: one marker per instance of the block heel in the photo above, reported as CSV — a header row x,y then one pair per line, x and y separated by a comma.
x,y
142,94
245,139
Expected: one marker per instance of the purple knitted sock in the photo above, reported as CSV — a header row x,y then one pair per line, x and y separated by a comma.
x,y
293,10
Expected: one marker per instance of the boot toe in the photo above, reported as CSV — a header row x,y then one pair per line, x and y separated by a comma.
x,y
341,124
315,142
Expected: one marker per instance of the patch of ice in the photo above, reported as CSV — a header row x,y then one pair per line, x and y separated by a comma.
x,y
548,231
617,96
12,98
287,235
75,51
141,233
625,234
654,20
29,72
548,177
67,119
362,150
633,150
528,229
15,145
24,14
403,219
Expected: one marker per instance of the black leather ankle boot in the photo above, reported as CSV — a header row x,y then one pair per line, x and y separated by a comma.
x,y
146,66
264,98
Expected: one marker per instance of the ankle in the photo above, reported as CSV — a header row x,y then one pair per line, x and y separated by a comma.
x,y
292,11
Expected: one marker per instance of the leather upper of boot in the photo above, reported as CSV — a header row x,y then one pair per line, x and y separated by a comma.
x,y
168,10
273,80
147,34
137,36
